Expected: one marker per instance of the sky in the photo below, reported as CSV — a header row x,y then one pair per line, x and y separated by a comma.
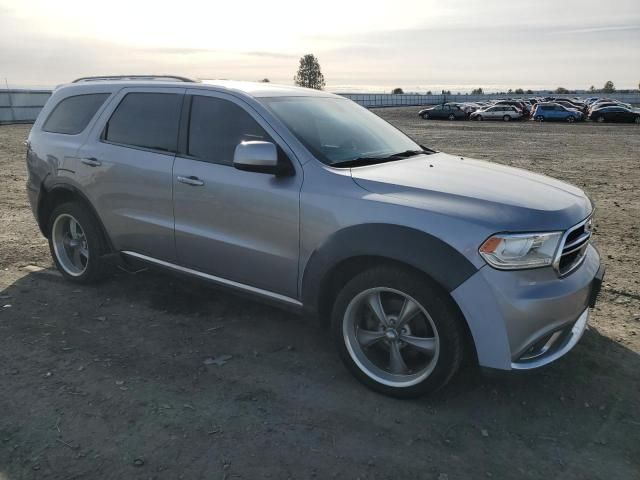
x,y
369,45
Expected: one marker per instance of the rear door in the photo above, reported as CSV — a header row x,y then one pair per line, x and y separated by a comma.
x,y
493,112
237,225
126,169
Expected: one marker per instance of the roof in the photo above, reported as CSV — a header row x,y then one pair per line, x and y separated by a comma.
x,y
252,89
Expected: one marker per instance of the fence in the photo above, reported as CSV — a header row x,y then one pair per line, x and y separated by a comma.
x,y
391,100
21,106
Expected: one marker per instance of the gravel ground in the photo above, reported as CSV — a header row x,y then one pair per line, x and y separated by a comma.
x,y
116,381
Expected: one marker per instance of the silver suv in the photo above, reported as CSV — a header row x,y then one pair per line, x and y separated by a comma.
x,y
303,198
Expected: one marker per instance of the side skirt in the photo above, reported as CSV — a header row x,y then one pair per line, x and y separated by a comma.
x,y
273,297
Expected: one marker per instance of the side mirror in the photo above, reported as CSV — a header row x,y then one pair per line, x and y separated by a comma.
x,y
260,157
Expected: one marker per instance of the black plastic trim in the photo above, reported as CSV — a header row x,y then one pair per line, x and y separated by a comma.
x,y
420,250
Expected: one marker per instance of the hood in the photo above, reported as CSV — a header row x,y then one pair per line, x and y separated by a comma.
x,y
499,197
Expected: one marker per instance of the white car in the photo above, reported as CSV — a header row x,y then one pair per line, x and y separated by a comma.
x,y
497,112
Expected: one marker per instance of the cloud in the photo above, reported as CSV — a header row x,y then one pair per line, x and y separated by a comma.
x,y
271,54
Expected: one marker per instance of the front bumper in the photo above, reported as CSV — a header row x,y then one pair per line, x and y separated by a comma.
x,y
525,319
553,346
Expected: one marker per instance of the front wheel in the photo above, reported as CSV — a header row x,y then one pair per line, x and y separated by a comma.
x,y
451,117
425,116
506,118
637,120
600,119
539,118
479,118
77,244
397,332
571,119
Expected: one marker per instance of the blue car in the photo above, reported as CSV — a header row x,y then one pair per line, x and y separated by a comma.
x,y
554,111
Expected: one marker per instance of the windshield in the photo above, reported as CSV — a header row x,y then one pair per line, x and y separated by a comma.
x,y
339,132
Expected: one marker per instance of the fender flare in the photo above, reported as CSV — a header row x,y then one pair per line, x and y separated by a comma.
x,y
420,250
63,186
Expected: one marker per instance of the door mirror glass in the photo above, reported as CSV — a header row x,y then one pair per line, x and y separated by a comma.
x,y
257,156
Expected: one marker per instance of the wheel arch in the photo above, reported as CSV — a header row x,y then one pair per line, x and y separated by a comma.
x,y
56,194
353,249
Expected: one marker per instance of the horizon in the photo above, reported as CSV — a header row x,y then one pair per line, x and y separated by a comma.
x,y
415,45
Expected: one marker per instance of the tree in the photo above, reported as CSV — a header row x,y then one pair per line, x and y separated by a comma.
x,y
309,74
592,89
397,91
609,87
509,91
265,80
561,90
429,93
519,91
529,92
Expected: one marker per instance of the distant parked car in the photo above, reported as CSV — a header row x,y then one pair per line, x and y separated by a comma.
x,y
554,111
615,114
470,107
608,103
443,112
525,108
571,105
497,112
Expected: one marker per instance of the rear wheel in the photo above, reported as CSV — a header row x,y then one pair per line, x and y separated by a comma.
x,y
425,116
506,118
451,116
539,118
571,119
396,332
600,119
77,244
637,120
479,118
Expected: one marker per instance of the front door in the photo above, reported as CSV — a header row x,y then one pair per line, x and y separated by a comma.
x,y
240,226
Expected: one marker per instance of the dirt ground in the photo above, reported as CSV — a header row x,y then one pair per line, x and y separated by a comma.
x,y
113,381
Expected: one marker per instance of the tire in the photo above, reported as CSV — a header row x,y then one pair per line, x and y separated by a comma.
x,y
425,116
600,119
79,258
435,331
637,119
451,117
539,118
479,118
506,118
571,119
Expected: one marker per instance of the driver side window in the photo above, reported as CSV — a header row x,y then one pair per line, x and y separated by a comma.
x,y
217,126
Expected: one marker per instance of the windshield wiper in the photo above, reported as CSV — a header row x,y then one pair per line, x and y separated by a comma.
x,y
360,161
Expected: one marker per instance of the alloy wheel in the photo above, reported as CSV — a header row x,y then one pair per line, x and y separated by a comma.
x,y
70,245
391,337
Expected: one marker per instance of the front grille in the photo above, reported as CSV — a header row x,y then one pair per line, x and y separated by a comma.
x,y
573,248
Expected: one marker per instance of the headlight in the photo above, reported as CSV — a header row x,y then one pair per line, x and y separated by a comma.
x,y
514,251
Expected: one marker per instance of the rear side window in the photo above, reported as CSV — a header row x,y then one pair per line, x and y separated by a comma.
x,y
146,120
217,126
72,115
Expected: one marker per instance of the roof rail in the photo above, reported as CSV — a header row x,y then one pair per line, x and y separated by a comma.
x,y
133,77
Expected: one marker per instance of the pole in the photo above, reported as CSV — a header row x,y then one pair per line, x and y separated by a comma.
x,y
13,115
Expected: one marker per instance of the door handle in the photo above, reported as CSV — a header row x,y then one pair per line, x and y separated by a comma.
x,y
193,181
92,162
